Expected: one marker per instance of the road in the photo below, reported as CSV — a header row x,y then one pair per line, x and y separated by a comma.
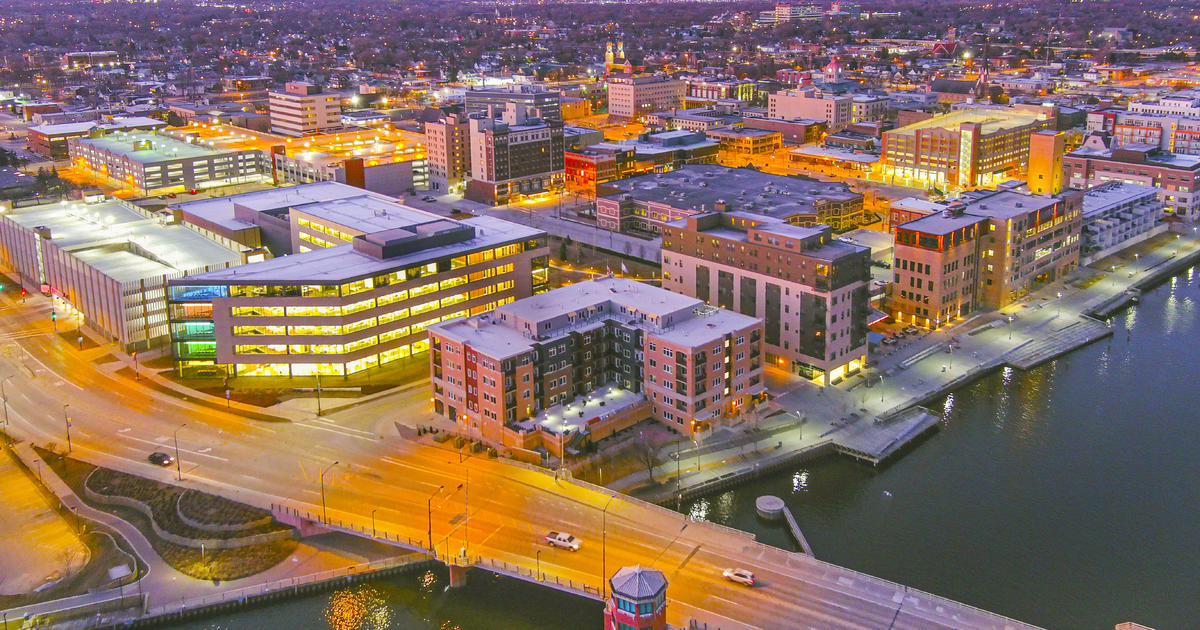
x,y
500,512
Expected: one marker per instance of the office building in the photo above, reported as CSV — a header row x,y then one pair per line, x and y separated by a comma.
x,y
867,108
1046,150
547,103
507,376
1101,159
1169,132
657,152
633,96
1117,215
811,104
110,262
645,203
340,309
155,163
966,148
739,144
51,140
514,156
696,118
1179,104
720,89
983,250
302,108
448,144
809,288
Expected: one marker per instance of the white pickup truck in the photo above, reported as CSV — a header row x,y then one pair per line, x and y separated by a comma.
x,y
563,540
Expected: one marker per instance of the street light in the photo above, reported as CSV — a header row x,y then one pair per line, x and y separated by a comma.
x,y
178,469
1010,320
1060,302
67,421
604,546
538,554
429,513
324,513
373,510
4,395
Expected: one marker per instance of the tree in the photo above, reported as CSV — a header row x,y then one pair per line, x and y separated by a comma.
x,y
646,454
175,120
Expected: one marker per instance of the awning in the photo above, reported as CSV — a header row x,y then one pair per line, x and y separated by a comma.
x,y
757,389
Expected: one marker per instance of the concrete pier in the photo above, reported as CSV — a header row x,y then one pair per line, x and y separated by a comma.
x,y
772,508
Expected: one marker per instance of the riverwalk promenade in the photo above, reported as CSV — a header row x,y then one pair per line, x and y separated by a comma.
x,y
876,407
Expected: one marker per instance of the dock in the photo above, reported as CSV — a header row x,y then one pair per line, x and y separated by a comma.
x,y
1057,343
772,508
878,440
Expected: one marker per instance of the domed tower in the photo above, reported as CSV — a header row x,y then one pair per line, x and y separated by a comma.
x,y
637,599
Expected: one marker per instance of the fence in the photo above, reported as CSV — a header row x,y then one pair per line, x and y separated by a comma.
x,y
537,575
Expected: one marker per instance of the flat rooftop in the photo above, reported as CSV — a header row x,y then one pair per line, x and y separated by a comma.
x,y
1100,198
705,328
336,265
992,120
1154,156
700,186
219,210
367,213
123,243
84,127
579,296
837,154
154,147
937,223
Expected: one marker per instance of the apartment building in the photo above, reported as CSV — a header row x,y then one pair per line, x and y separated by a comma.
x,y
448,147
809,288
1117,215
645,203
978,146
866,108
721,89
1169,132
1181,104
514,156
343,309
1102,159
983,250
303,108
811,104
540,371
633,96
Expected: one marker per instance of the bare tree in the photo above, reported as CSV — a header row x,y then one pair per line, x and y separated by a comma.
x,y
645,450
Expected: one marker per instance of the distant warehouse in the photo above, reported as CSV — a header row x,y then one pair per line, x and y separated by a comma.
x,y
110,261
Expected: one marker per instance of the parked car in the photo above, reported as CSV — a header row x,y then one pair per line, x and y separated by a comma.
x,y
171,195
193,192
428,198
562,540
911,330
889,341
741,576
161,459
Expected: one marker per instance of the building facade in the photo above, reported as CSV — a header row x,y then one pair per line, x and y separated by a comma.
x,y
345,308
150,163
809,289
506,376
514,156
547,103
1169,132
811,104
448,146
1101,159
632,96
1116,215
1046,150
51,140
302,108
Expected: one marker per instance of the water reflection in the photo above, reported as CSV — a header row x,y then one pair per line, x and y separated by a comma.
x,y
947,408
800,482
358,608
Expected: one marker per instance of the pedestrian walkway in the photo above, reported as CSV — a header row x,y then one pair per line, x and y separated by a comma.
x,y
37,546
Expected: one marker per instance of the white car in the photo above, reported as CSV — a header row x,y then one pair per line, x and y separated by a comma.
x,y
741,576
562,540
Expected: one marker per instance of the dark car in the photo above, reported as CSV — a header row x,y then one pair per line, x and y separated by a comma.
x,y
161,459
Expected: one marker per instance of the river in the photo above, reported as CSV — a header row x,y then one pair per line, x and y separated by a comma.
x,y
1059,496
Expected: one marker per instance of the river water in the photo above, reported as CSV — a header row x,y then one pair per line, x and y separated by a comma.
x,y
1066,496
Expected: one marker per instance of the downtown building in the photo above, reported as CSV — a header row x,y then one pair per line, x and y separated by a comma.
x,y
1103,159
657,152
983,250
302,108
633,96
540,102
448,147
644,204
371,277
979,146
1177,133
811,104
154,163
514,156
810,289
591,358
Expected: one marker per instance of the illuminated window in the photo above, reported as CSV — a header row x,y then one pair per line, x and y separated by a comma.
x,y
423,290
259,330
424,308
392,297
261,349
395,353
361,343
358,306
257,311
359,325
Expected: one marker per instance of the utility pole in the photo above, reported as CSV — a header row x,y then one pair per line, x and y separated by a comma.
x,y
324,512
67,421
178,469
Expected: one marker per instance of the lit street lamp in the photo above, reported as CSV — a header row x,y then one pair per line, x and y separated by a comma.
x,y
429,514
373,510
67,421
4,396
604,545
1010,320
178,469
1060,302
324,513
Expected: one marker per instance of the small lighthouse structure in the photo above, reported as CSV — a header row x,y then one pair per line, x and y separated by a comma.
x,y
637,599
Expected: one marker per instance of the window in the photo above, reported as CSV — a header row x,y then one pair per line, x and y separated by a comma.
x,y
667,352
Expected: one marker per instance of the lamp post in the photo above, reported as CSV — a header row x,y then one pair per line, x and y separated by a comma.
x,y
178,468
373,510
318,394
324,513
881,389
4,396
1060,302
604,546
67,421
1010,320
429,514
538,554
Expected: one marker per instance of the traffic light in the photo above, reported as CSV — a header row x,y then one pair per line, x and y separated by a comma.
x,y
53,316
24,293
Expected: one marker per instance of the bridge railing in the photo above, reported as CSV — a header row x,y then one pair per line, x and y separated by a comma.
x,y
535,575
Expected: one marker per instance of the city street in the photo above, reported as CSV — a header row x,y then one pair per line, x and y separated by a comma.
x,y
482,507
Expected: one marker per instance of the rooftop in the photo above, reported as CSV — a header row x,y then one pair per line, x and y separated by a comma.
x,y
631,294
991,119
367,213
1153,156
219,210
700,186
336,265
84,127
122,241
145,147
1103,197
836,154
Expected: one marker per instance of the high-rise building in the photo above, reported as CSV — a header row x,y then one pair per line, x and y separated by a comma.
x,y
1101,159
1169,132
1046,149
633,96
811,104
971,147
548,103
983,250
809,288
448,147
514,156
302,108
560,364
